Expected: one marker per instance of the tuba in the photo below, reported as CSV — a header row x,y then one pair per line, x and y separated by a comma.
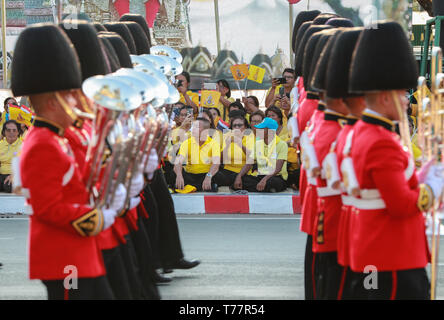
x,y
431,138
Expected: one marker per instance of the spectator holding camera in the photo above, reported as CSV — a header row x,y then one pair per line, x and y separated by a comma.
x,y
251,104
225,98
187,97
9,148
279,93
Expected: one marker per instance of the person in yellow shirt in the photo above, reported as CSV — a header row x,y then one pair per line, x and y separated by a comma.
x,y
225,98
9,148
275,113
236,149
201,156
187,97
5,114
270,154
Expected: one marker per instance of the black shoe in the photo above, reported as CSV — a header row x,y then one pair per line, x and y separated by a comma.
x,y
1,264
182,264
214,187
158,278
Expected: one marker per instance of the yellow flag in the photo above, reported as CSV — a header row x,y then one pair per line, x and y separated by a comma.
x,y
239,71
209,98
256,74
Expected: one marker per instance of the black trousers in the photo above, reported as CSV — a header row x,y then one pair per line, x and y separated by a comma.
x,y
152,224
410,284
5,187
133,270
196,179
328,276
227,178
170,247
87,289
170,176
117,274
277,183
345,290
308,265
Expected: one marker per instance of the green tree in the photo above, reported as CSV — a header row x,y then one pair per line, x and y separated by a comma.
x,y
349,13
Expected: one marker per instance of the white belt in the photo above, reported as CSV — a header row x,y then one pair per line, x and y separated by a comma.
x,y
312,181
347,200
367,204
327,192
370,194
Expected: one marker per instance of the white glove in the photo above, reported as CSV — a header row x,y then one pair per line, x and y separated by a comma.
x,y
435,179
109,215
136,185
119,198
153,162
134,202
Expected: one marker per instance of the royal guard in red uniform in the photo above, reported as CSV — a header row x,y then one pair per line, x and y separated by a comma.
x,y
388,237
63,226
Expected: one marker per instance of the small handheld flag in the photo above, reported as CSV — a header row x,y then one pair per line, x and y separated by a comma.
x,y
210,98
239,71
256,74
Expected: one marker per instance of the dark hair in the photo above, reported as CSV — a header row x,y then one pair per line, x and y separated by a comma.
x,y
236,113
289,70
258,113
236,104
246,124
208,113
184,107
226,85
275,110
6,100
217,110
204,120
255,100
19,128
187,76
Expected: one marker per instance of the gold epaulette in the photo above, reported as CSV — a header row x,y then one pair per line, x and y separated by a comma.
x,y
90,224
426,198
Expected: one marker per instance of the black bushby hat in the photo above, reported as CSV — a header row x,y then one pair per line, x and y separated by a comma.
x,y
309,57
120,48
340,23
299,62
122,30
140,20
383,60
99,27
140,39
111,56
302,17
303,28
321,59
88,47
339,65
323,18
44,61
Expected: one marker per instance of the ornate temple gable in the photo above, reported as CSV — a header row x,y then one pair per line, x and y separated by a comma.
x,y
201,63
186,55
223,62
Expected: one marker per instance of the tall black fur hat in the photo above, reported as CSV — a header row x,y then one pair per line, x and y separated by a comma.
x,y
140,39
302,17
339,65
299,62
383,60
140,20
120,48
303,28
88,47
340,23
112,59
323,18
99,27
321,59
44,61
310,49
122,30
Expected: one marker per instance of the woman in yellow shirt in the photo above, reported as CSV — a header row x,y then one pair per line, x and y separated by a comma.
x,y
225,99
9,148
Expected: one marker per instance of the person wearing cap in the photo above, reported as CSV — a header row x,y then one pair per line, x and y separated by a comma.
x,y
389,200
63,226
201,156
270,154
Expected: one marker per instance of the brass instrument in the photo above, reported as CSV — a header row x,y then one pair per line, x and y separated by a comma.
x,y
430,138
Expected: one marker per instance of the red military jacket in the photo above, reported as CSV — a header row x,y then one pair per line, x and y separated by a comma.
x,y
325,228
393,237
309,203
301,90
62,226
344,228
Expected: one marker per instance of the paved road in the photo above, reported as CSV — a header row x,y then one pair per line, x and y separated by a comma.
x,y
243,257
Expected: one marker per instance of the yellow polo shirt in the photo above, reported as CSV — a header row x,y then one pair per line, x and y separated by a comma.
x,y
193,96
221,108
199,158
235,158
266,156
7,152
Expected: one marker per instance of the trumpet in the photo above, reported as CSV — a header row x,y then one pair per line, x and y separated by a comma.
x,y
430,137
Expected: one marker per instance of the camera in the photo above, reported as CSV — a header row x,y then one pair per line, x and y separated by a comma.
x,y
281,80
179,83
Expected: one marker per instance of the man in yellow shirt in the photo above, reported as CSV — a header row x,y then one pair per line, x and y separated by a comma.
x,y
270,155
201,156
187,97
9,148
